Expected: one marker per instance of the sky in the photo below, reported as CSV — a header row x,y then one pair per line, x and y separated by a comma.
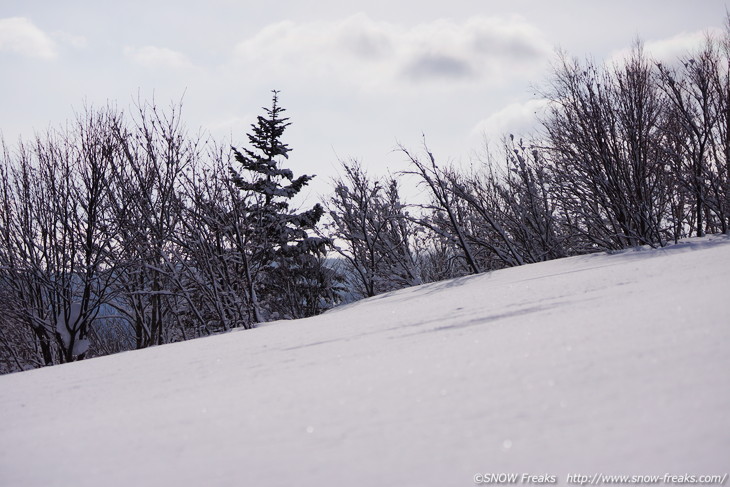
x,y
356,78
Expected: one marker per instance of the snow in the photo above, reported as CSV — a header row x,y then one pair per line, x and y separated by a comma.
x,y
614,364
66,328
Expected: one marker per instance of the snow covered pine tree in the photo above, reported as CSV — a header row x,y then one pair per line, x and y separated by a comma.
x,y
284,266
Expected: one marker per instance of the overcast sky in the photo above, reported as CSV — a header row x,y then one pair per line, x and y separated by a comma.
x,y
356,77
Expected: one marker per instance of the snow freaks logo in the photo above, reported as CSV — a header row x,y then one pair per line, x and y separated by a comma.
x,y
600,479
514,478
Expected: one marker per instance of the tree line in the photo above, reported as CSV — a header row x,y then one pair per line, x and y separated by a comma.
x,y
628,154
121,231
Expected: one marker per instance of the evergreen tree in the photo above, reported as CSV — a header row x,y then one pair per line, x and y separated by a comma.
x,y
278,245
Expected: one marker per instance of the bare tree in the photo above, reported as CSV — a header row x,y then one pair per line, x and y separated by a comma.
x,y
156,151
212,239
374,231
698,99
447,214
513,214
605,144
56,233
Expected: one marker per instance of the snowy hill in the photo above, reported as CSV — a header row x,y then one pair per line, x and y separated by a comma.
x,y
600,364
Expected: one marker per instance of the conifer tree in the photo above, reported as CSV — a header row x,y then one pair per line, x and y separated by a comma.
x,y
278,244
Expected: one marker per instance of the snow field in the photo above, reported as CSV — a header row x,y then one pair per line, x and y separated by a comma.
x,y
616,364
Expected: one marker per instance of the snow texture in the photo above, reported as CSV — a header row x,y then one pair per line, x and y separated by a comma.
x,y
70,328
617,364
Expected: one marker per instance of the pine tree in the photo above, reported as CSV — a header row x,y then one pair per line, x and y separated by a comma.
x,y
278,242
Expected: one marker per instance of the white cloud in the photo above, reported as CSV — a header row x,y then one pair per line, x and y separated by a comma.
x,y
670,49
516,118
19,35
479,47
72,40
365,52
157,57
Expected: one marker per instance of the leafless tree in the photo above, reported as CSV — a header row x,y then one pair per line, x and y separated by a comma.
x,y
57,235
513,213
212,237
605,145
373,232
445,214
155,152
698,92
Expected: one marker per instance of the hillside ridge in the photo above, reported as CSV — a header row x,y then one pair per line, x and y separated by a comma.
x,y
596,363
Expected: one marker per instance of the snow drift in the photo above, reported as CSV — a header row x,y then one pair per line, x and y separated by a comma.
x,y
615,364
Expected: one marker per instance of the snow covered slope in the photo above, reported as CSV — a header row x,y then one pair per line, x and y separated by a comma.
x,y
612,364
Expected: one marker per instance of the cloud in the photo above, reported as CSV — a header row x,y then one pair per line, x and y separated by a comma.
x,y
364,39
438,66
482,46
19,35
72,40
365,52
517,118
670,49
157,57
